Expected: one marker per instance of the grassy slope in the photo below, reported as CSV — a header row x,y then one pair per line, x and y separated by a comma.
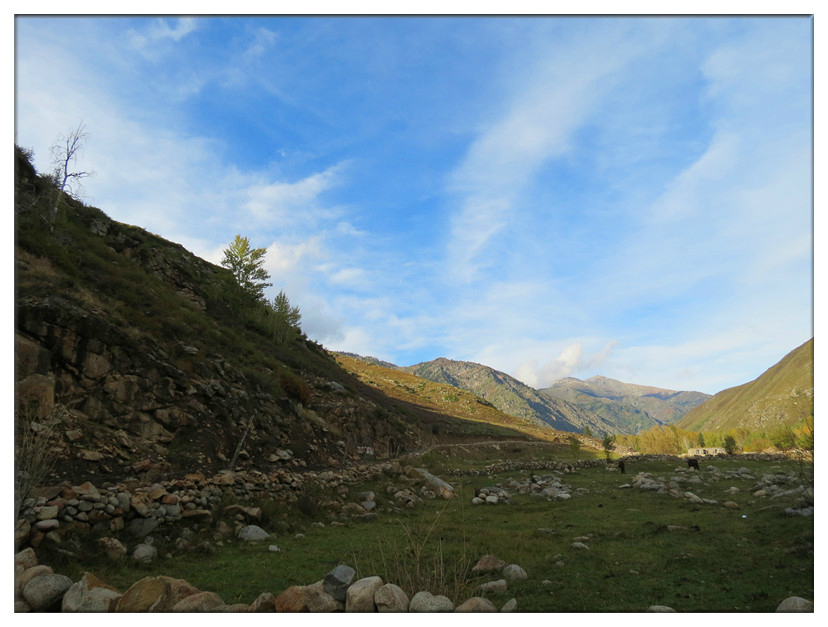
x,y
473,412
783,394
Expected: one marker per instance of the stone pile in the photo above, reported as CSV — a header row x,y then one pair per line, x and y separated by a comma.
x,y
37,589
548,486
138,508
770,485
510,466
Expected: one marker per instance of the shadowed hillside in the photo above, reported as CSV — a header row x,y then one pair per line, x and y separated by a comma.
x,y
153,354
477,415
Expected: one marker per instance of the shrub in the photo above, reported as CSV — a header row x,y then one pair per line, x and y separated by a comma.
x,y
295,387
35,450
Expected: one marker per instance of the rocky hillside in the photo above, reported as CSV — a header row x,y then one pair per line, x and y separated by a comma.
x,y
511,396
631,408
784,394
153,354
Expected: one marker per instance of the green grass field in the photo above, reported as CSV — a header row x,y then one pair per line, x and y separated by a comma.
x,y
723,560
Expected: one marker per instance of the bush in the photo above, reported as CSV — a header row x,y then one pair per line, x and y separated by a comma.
x,y
295,387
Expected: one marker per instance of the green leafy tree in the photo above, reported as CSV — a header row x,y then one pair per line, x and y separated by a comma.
x,y
607,442
574,444
285,318
290,315
587,431
729,444
246,265
701,440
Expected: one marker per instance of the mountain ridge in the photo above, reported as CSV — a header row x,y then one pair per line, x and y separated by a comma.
x,y
510,395
630,406
784,393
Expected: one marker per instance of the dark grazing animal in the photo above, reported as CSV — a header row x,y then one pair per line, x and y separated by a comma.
x,y
622,466
693,463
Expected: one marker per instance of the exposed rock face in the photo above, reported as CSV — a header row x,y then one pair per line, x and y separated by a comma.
x,y
132,333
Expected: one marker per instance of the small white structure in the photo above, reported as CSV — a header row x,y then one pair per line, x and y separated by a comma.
x,y
707,450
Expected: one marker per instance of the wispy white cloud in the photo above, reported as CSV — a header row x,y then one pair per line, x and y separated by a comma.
x,y
289,202
160,31
645,182
551,102
263,40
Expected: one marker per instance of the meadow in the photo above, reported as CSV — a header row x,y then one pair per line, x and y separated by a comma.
x,y
644,548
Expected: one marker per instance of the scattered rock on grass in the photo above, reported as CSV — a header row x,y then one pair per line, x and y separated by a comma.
x,y
476,604
252,533
795,604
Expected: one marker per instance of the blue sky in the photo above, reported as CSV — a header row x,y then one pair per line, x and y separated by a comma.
x,y
630,197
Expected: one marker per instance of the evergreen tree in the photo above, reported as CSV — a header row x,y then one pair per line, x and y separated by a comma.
x,y
290,315
285,319
607,442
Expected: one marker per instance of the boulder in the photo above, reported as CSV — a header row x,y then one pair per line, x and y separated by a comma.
x,y
48,512
795,604
292,599
142,527
25,558
427,602
27,575
252,533
50,524
336,582
318,600
21,532
145,553
513,572
199,602
509,606
113,547
488,564
660,608
391,598
476,604
155,594
498,586
45,592
90,594
265,602
150,594
360,595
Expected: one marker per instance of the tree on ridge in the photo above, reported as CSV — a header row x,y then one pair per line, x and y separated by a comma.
x,y
246,265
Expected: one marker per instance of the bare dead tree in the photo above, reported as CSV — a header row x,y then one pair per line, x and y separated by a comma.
x,y
64,160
